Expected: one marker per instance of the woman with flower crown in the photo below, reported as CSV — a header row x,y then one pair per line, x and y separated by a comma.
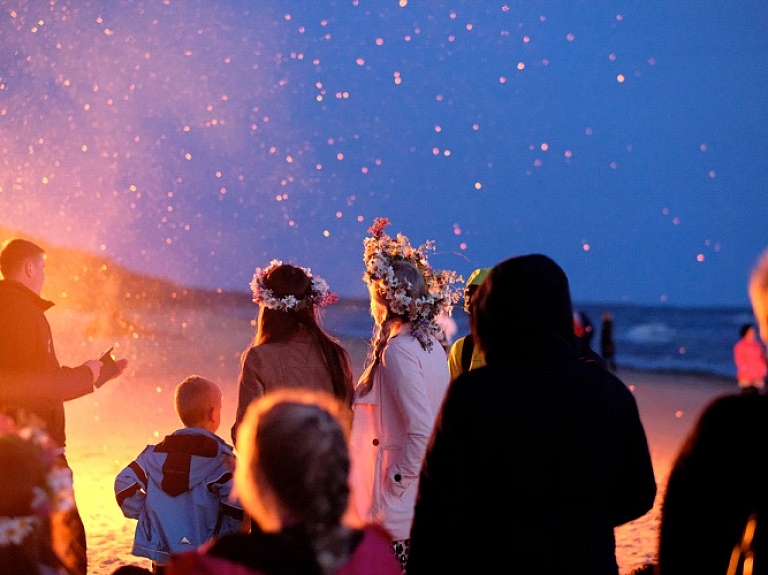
x,y
400,392
291,350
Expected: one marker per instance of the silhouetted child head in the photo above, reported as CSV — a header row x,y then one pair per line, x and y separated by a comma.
x,y
198,403
293,468
293,460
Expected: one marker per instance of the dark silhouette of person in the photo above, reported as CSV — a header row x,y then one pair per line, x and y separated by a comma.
x,y
607,345
714,487
27,353
536,457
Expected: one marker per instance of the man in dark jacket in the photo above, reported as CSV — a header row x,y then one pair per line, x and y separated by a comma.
x,y
536,457
31,379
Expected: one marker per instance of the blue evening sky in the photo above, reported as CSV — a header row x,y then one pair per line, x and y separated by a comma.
x,y
195,140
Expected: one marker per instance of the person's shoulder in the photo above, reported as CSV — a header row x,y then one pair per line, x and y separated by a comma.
x,y
21,295
199,431
195,563
408,342
373,549
376,531
733,405
596,377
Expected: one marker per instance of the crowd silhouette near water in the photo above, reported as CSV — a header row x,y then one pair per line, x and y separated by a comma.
x,y
516,449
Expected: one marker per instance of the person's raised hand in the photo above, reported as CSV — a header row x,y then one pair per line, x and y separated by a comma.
x,y
110,369
121,365
95,366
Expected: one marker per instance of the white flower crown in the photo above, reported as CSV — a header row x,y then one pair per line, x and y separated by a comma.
x,y
321,294
380,251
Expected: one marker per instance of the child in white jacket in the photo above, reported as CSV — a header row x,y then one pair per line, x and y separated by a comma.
x,y
179,489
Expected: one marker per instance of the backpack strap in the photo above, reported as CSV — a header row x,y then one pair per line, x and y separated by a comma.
x,y
466,353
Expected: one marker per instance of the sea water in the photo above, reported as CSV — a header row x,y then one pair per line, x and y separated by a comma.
x,y
662,338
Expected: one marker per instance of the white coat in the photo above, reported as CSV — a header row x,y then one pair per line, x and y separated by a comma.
x,y
391,427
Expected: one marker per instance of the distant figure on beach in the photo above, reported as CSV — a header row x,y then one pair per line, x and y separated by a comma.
x,y
180,488
584,330
290,348
464,354
292,476
714,510
27,352
34,488
536,457
399,394
750,359
607,345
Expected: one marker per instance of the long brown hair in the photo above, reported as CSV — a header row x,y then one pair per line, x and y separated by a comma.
x,y
277,325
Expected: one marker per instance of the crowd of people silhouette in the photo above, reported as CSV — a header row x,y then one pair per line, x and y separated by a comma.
x,y
399,471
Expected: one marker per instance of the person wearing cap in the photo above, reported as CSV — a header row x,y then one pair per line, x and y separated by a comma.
x,y
464,355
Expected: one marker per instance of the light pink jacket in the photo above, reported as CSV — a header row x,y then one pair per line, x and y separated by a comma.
x,y
749,357
391,427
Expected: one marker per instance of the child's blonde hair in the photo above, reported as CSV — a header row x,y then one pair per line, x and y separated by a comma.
x,y
296,441
194,397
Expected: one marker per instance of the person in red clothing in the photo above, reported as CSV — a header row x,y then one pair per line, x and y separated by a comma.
x,y
750,359
292,476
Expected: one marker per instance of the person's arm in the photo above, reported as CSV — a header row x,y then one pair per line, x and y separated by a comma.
x,y
403,377
349,376
636,476
62,384
454,358
131,489
249,386
445,495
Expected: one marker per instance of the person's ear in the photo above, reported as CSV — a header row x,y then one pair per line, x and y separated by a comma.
x,y
28,268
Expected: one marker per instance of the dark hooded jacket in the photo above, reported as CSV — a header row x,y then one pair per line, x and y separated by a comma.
x,y
537,456
30,375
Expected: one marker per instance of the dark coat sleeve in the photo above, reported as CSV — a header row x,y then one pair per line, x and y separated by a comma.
x,y
444,501
62,384
635,470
